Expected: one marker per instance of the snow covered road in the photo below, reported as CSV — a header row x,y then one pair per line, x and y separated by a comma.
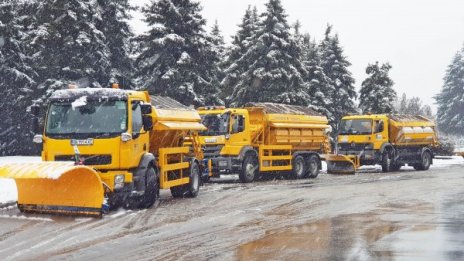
x,y
371,215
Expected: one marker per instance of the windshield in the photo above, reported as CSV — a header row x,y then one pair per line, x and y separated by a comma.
x,y
355,127
217,124
87,119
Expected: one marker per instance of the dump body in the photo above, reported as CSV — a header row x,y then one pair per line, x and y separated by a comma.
x,y
118,148
273,134
389,140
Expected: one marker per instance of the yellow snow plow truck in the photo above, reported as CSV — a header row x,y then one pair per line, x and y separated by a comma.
x,y
107,147
262,138
391,141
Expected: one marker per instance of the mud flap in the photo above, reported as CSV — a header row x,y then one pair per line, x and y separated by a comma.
x,y
57,187
340,164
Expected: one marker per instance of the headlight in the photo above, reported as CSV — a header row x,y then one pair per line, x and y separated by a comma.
x,y
222,163
119,181
369,146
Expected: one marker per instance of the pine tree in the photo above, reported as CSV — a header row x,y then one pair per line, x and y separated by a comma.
x,y
219,51
241,43
16,81
450,100
69,48
114,25
275,72
176,55
413,106
319,88
377,94
335,66
403,104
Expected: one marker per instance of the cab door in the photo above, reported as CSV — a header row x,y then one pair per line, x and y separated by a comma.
x,y
380,132
239,136
138,144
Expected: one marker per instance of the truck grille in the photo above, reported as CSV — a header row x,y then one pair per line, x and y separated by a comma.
x,y
88,159
352,146
212,151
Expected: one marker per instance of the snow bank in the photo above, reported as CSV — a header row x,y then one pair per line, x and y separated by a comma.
x,y
8,192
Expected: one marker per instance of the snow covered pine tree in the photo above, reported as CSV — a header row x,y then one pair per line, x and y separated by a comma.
x,y
16,81
319,88
240,44
450,100
275,72
115,27
69,46
335,65
377,94
176,57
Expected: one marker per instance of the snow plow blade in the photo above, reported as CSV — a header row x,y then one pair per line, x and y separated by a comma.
x,y
56,188
341,164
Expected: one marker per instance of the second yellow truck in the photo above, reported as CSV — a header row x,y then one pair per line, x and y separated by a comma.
x,y
262,138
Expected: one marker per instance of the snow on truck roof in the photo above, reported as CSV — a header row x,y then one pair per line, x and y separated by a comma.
x,y
166,103
90,93
283,108
159,102
407,118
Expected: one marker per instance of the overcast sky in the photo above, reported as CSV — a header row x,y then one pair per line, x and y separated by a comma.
x,y
417,37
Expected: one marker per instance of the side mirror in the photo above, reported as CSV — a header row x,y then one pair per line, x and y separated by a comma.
x,y
35,110
146,108
147,122
380,127
35,125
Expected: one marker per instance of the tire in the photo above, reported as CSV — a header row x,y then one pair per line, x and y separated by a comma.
x,y
191,189
250,168
177,191
299,167
386,162
312,164
396,167
426,161
152,189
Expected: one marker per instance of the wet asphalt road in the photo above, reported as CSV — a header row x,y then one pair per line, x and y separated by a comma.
x,y
405,215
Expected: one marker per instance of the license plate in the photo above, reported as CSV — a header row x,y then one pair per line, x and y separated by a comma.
x,y
210,140
85,142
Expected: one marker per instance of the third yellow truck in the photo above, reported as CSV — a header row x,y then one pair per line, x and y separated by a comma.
x,y
391,141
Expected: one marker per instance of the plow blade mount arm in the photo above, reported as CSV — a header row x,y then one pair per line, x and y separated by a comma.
x,y
341,164
57,188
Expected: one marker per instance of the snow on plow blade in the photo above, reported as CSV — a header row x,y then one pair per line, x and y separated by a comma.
x,y
340,164
56,187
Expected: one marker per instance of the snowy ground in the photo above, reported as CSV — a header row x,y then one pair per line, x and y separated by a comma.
x,y
8,192
400,215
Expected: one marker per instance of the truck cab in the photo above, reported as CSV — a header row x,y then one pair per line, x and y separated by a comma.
x,y
364,136
228,131
103,128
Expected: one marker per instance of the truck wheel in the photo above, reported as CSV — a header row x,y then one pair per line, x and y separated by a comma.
x,y
426,161
396,167
177,191
151,189
250,168
191,189
313,166
386,162
299,167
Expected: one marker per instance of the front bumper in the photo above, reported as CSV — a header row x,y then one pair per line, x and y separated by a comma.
x,y
221,166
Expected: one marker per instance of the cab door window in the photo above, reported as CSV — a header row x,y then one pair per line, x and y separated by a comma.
x,y
237,123
137,122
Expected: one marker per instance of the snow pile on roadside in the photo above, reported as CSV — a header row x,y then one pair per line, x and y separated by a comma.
x,y
451,161
8,191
